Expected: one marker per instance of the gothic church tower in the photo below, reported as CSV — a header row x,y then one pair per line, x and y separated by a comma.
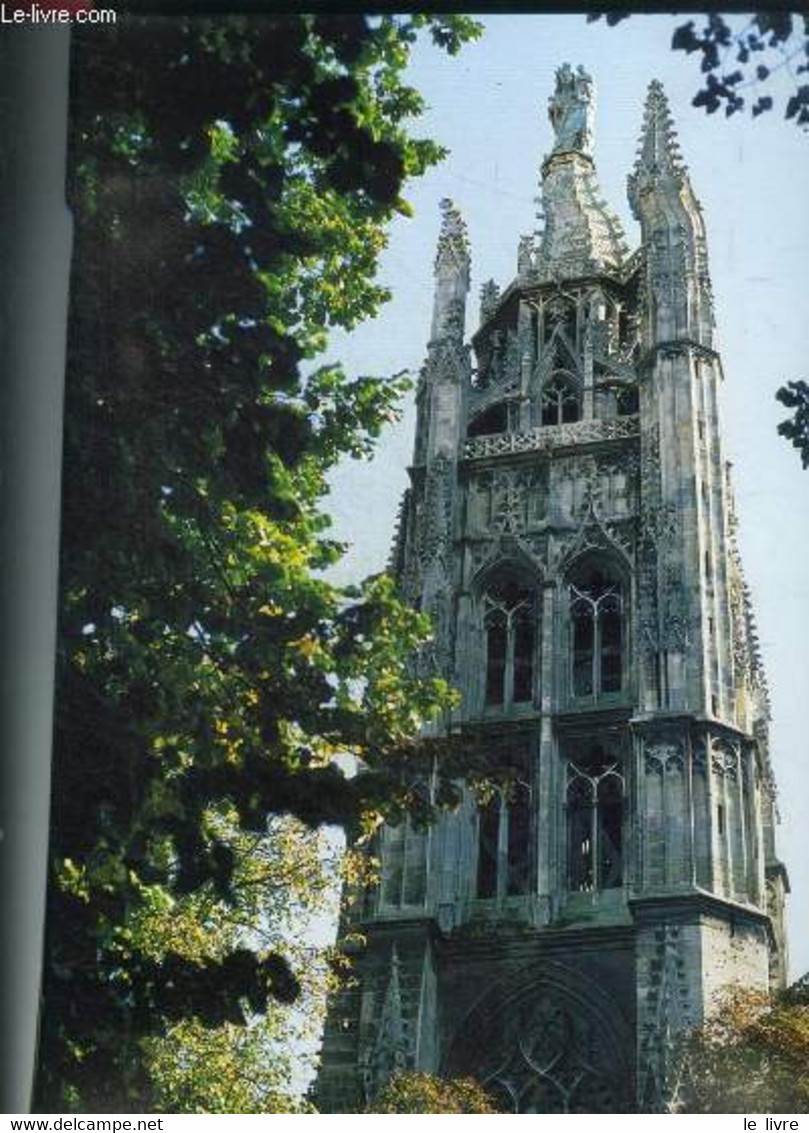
x,y
570,529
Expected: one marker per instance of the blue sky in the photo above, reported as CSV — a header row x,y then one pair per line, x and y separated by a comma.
x,y
488,106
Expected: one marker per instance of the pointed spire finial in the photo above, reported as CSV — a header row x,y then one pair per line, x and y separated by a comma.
x,y
453,242
452,269
659,154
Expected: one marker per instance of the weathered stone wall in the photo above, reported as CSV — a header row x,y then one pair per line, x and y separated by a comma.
x,y
734,955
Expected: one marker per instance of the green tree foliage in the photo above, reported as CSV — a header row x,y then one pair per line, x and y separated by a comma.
x,y
752,1057
795,395
231,181
282,881
419,1092
738,62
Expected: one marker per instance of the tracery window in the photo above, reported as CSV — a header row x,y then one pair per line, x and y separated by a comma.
x,y
560,403
509,622
595,792
504,844
597,633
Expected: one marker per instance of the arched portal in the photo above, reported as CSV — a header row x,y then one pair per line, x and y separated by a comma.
x,y
549,1041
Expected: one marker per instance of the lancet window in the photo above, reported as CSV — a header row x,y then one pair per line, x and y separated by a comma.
x,y
509,622
504,842
595,816
404,865
560,402
597,633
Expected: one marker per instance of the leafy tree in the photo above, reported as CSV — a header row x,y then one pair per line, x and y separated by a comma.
x,y
795,395
282,881
419,1092
751,1057
738,63
231,181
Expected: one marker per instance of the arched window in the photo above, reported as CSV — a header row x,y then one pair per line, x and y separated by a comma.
x,y
597,634
560,403
504,843
509,614
595,792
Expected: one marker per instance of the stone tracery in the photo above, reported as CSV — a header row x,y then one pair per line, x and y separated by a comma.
x,y
543,1049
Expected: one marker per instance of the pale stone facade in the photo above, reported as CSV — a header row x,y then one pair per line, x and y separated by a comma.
x,y
570,530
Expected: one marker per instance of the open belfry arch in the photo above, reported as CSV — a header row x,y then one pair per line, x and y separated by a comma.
x,y
570,530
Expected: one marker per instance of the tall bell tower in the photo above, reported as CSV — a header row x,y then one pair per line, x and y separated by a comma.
x,y
570,529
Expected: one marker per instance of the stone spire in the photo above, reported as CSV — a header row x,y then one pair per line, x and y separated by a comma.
x,y
659,157
452,266
446,370
672,231
582,234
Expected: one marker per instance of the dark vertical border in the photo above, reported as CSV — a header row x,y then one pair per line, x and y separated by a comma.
x,y
35,241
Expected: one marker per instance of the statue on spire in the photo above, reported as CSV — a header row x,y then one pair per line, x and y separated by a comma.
x,y
571,109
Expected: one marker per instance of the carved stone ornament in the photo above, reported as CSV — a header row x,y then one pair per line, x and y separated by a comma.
x,y
453,324
592,534
525,255
510,503
725,761
453,242
513,499
665,756
435,657
532,549
448,360
548,438
660,525
436,519
489,296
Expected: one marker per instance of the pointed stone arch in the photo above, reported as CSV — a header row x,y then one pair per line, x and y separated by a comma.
x,y
508,556
595,538
603,548
547,1039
